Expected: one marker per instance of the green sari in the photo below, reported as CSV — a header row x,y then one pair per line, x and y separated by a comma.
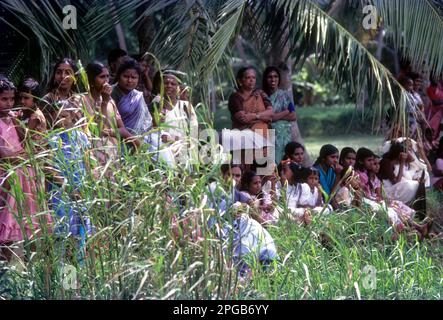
x,y
280,101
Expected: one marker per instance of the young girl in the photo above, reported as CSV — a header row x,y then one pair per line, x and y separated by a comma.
x,y
18,198
329,168
310,195
400,215
62,90
291,189
347,158
248,236
251,185
33,117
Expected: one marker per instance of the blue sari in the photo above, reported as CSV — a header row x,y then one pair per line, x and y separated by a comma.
x,y
133,110
327,179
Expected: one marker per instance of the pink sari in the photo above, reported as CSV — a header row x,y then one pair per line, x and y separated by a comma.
x,y
18,191
435,115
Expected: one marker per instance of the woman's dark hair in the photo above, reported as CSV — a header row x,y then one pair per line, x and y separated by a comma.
x,y
226,167
246,180
439,152
267,71
344,152
6,84
127,64
31,86
290,149
404,80
395,150
305,173
325,151
296,170
70,62
242,71
115,54
93,69
362,154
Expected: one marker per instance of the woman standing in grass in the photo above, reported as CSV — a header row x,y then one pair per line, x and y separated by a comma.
x,y
62,89
71,158
133,110
178,121
105,113
283,110
18,191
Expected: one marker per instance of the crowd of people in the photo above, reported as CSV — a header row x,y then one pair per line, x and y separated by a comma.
x,y
124,108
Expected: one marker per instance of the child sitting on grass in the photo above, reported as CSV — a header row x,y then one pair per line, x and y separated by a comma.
x,y
251,187
399,214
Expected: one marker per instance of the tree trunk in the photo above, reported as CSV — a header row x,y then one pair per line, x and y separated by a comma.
x,y
118,28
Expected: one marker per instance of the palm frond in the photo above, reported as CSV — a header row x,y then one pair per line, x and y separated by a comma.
x,y
416,30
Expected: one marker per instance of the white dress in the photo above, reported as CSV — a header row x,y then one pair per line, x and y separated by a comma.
x,y
301,195
183,131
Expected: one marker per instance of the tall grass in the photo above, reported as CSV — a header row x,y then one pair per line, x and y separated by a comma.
x,y
134,253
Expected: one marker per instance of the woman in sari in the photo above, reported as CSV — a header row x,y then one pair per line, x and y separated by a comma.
x,y
177,121
435,115
105,113
251,112
61,90
283,108
133,109
329,168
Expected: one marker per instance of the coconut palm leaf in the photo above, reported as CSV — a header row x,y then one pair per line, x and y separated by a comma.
x,y
416,30
42,22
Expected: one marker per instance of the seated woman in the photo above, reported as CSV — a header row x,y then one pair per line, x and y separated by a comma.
x,y
251,112
295,152
400,178
329,168
106,116
249,237
261,202
177,120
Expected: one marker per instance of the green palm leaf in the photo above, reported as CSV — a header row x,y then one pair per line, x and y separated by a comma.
x,y
416,30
